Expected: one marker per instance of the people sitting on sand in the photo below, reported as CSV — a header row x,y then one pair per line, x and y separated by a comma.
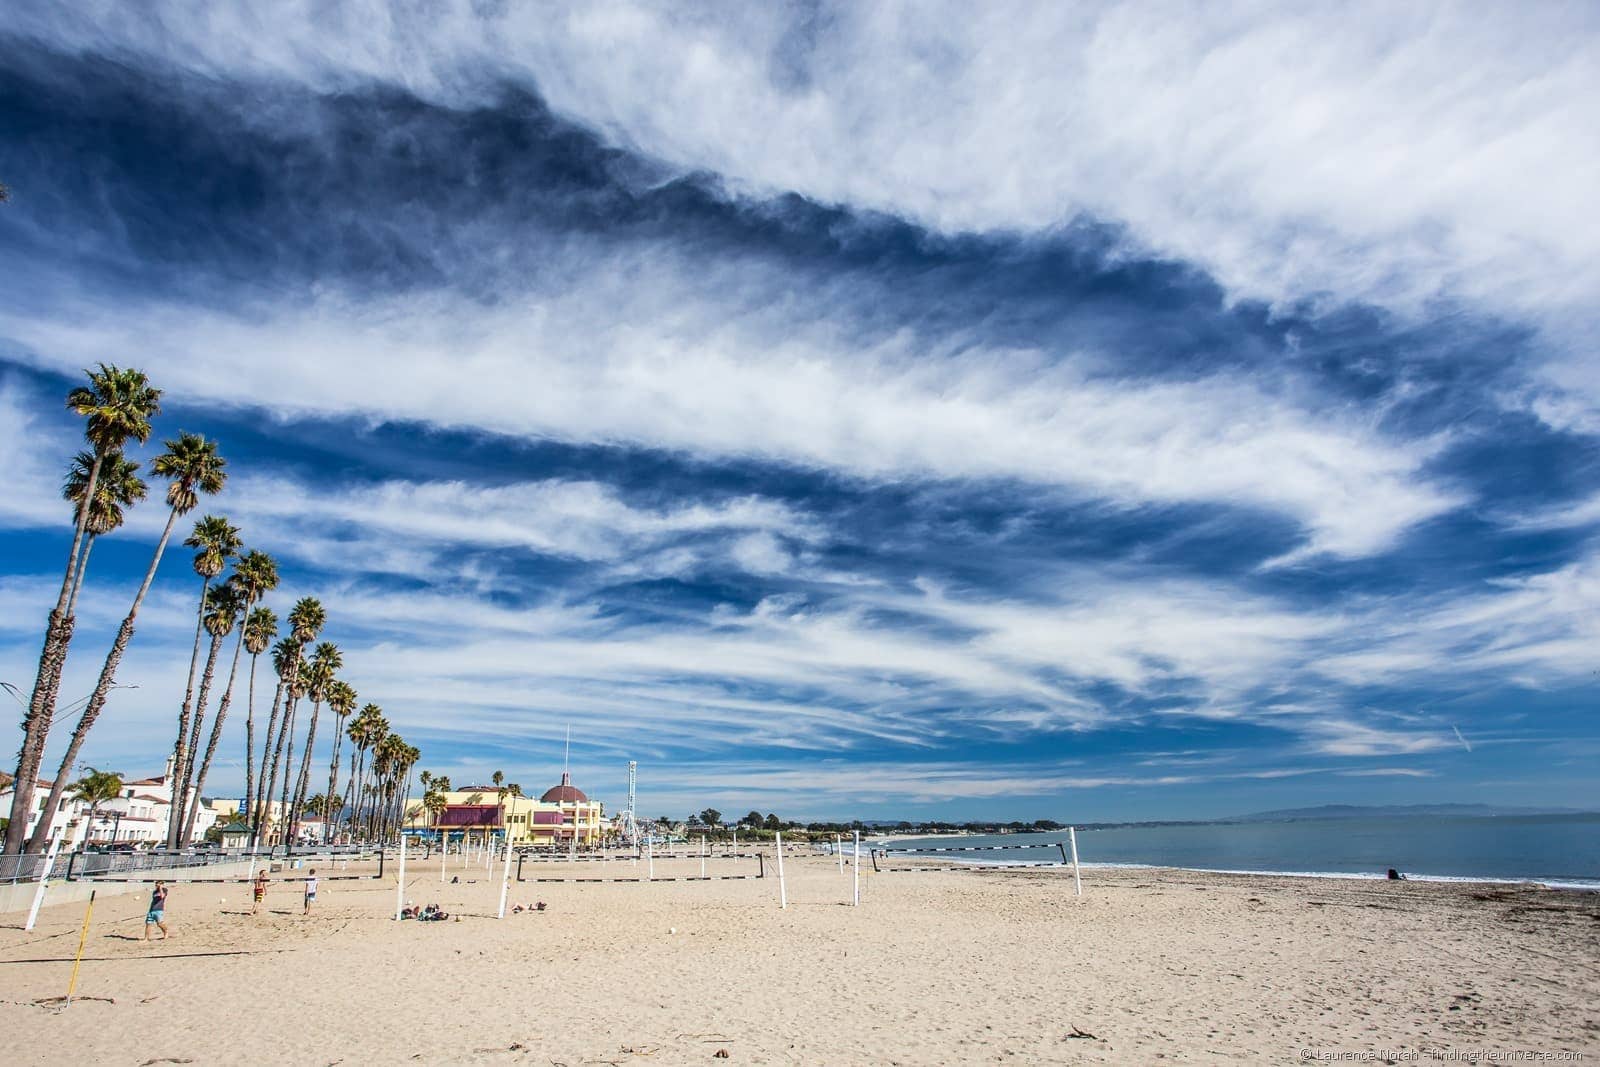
x,y
433,913
1396,876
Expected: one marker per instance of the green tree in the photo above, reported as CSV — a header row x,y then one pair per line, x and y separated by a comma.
x,y
306,620
341,701
220,617
260,627
754,819
365,730
117,406
325,662
119,487
215,541
285,664
253,577
192,466
711,817
772,823
94,789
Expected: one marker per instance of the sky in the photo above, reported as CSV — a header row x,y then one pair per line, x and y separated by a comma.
x,y
1084,412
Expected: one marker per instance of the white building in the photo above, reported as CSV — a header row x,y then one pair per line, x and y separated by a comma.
x,y
69,812
140,815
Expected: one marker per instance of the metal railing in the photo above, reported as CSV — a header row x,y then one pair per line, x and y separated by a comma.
x,y
78,865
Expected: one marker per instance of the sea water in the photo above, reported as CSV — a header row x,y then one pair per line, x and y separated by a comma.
x,y
1558,850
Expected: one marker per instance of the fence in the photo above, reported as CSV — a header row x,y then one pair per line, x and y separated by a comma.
x,y
107,866
649,861
933,851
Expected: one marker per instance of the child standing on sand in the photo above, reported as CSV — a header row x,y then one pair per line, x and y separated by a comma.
x,y
311,891
260,890
156,916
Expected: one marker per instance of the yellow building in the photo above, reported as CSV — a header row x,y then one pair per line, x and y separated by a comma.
x,y
554,820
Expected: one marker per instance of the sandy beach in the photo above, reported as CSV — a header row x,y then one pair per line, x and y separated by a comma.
x,y
933,968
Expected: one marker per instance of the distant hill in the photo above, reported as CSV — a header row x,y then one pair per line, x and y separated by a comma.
x,y
1393,811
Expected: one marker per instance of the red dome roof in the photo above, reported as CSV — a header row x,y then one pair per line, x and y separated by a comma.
x,y
565,793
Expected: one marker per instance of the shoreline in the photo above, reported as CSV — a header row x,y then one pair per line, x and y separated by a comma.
x,y
1567,885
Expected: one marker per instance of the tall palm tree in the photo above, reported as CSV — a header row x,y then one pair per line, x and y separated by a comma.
x,y
306,620
215,541
286,663
117,406
95,788
253,577
325,661
119,487
377,730
341,701
299,686
260,627
221,615
360,733
193,466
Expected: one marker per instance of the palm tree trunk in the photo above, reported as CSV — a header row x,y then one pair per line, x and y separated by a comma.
x,y
264,787
216,737
352,794
47,684
180,754
181,775
288,762
250,744
333,773
305,760
97,700
83,568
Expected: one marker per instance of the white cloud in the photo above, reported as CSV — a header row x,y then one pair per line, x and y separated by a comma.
x,y
1539,631
726,374
1372,151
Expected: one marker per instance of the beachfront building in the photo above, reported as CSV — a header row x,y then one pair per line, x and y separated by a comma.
x,y
67,816
139,815
562,816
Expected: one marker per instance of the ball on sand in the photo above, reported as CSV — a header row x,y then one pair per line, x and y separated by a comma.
x,y
672,929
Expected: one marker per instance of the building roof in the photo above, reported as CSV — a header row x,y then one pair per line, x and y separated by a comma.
x,y
565,793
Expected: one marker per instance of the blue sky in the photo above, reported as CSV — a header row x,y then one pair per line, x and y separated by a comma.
x,y
846,411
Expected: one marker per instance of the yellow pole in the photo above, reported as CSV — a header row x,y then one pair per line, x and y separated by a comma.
x,y
83,935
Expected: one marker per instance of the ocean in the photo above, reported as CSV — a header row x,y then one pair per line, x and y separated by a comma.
x,y
1558,850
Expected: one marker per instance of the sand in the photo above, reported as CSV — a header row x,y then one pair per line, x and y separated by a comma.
x,y
933,968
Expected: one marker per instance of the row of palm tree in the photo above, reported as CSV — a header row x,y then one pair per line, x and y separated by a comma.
x,y
102,483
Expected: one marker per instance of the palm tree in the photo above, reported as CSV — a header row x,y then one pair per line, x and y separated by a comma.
x,y
377,730
306,620
325,661
119,487
299,685
253,576
96,788
260,627
221,614
285,662
361,734
341,701
117,406
215,541
193,467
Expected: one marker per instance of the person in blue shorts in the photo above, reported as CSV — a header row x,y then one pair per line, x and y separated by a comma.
x,y
156,916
